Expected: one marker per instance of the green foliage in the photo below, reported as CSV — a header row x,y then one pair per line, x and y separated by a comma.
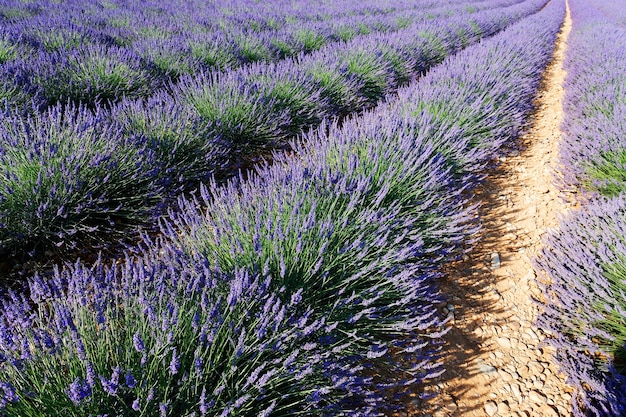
x,y
371,71
16,14
364,29
7,51
615,321
309,40
401,66
292,20
335,87
95,75
272,23
345,33
15,96
294,99
254,26
213,55
436,50
102,337
118,22
251,49
153,32
596,105
476,30
59,40
178,141
238,117
108,5
403,22
170,64
283,48
607,174
59,180
407,184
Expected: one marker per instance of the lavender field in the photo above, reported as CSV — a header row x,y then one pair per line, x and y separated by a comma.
x,y
241,208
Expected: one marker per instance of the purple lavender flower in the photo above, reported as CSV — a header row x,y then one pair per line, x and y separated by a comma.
x,y
9,392
130,380
150,396
174,363
204,408
138,343
163,409
110,385
79,391
584,259
91,374
198,364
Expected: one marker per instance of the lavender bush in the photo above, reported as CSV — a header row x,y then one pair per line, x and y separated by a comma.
x,y
13,97
273,103
12,76
65,174
250,108
184,147
216,52
584,304
92,74
168,48
583,261
57,34
168,59
169,336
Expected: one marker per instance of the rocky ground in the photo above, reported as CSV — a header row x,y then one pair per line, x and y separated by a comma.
x,y
496,363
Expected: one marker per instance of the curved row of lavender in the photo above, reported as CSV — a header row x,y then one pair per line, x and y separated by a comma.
x,y
83,53
310,289
585,258
594,150
69,172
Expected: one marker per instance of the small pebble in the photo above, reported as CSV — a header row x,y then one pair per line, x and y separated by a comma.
x,y
486,369
495,260
504,342
537,397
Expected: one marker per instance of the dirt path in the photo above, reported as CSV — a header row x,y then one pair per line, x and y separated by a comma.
x,y
495,367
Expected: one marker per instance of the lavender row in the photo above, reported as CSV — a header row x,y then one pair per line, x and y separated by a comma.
x,y
594,154
59,60
585,259
67,174
287,293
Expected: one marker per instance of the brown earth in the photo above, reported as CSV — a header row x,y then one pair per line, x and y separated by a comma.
x,y
495,363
